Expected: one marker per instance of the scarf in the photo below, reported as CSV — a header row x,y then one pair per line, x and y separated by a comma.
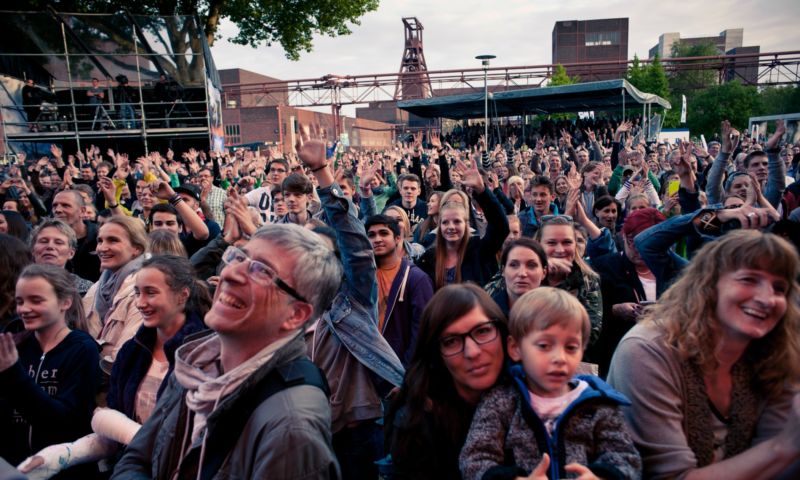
x,y
110,283
199,371
744,413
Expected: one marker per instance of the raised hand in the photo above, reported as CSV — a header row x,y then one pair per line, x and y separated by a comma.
x,y
780,130
55,151
106,186
730,137
417,141
473,179
435,139
162,190
310,147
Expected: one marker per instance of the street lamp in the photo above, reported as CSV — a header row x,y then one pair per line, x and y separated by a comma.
x,y
485,62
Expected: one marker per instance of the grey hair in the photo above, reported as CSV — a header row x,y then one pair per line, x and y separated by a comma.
x,y
317,273
61,226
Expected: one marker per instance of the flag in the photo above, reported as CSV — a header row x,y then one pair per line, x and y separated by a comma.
x,y
683,108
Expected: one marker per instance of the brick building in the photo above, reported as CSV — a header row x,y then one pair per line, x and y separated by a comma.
x,y
602,40
252,118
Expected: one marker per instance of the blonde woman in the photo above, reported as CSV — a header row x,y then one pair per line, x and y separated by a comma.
x,y
113,319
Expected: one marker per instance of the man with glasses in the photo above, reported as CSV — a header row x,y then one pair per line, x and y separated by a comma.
x,y
213,196
244,401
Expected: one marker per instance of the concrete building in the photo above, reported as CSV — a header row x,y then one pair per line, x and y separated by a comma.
x,y
728,42
725,41
258,118
602,40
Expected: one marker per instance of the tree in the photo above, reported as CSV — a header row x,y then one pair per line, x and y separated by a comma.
x,y
687,82
649,78
292,24
778,100
560,77
729,101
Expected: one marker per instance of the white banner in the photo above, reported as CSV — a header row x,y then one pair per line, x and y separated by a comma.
x,y
683,108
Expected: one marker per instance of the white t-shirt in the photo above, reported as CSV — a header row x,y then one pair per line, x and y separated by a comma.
x,y
649,286
261,200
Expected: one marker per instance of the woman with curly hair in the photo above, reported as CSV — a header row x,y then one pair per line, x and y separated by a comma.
x,y
711,369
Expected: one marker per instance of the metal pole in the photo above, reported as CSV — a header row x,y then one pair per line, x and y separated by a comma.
x,y
141,97
71,92
485,107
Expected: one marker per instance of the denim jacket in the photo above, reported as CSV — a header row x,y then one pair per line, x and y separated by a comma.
x,y
353,316
773,190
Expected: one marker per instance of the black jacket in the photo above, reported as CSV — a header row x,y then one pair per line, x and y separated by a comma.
x,y
134,360
619,283
48,398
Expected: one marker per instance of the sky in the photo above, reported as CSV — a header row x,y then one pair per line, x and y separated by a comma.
x,y
518,32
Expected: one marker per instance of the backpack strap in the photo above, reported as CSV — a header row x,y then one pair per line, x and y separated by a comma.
x,y
227,430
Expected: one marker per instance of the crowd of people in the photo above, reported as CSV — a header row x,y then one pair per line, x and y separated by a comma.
x,y
571,302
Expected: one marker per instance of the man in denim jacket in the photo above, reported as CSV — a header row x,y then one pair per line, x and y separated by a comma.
x,y
358,362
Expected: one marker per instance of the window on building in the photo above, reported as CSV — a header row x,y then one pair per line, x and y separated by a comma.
x,y
232,135
594,39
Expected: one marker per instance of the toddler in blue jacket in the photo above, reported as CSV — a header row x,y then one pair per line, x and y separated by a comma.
x,y
549,423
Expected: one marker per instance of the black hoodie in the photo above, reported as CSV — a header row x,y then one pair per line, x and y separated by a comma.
x,y
48,398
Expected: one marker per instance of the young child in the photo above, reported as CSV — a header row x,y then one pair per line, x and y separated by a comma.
x,y
549,423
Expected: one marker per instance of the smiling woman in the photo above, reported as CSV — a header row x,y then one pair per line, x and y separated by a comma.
x,y
54,243
459,356
113,318
710,370
49,376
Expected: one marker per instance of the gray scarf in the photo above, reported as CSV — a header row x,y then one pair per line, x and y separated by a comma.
x,y
110,283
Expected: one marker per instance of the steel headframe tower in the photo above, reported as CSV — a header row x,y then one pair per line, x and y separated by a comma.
x,y
416,83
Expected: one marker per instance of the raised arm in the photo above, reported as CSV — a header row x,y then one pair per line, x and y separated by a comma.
x,y
776,180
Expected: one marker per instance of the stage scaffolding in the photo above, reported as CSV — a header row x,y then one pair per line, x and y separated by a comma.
x,y
173,93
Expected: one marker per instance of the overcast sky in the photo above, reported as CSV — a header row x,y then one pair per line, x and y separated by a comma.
x,y
519,32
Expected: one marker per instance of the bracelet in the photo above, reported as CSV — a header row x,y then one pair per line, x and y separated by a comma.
x,y
175,200
315,170
113,206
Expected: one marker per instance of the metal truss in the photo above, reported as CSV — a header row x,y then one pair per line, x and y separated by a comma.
x,y
775,68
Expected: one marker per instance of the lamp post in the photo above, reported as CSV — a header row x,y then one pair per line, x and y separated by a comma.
x,y
485,62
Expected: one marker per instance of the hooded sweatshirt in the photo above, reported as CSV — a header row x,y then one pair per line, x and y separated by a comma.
x,y
48,398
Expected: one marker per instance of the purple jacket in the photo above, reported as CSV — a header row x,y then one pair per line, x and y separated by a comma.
x,y
411,290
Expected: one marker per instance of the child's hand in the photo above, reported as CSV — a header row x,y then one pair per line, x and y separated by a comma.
x,y
583,472
540,472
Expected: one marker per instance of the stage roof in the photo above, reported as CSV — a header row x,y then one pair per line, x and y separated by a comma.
x,y
581,97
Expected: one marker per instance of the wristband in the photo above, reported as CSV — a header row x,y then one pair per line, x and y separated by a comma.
x,y
315,170
175,200
113,206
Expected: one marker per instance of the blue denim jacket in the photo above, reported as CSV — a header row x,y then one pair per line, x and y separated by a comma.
x,y
353,316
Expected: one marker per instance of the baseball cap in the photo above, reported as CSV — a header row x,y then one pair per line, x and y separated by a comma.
x,y
189,189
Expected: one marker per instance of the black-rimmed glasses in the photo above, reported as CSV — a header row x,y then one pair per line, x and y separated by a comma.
x,y
480,334
260,272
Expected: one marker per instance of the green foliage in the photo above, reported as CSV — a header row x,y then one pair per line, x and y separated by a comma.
x,y
649,78
778,100
730,101
560,77
292,24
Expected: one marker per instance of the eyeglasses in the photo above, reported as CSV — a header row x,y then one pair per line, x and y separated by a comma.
x,y
260,272
481,334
